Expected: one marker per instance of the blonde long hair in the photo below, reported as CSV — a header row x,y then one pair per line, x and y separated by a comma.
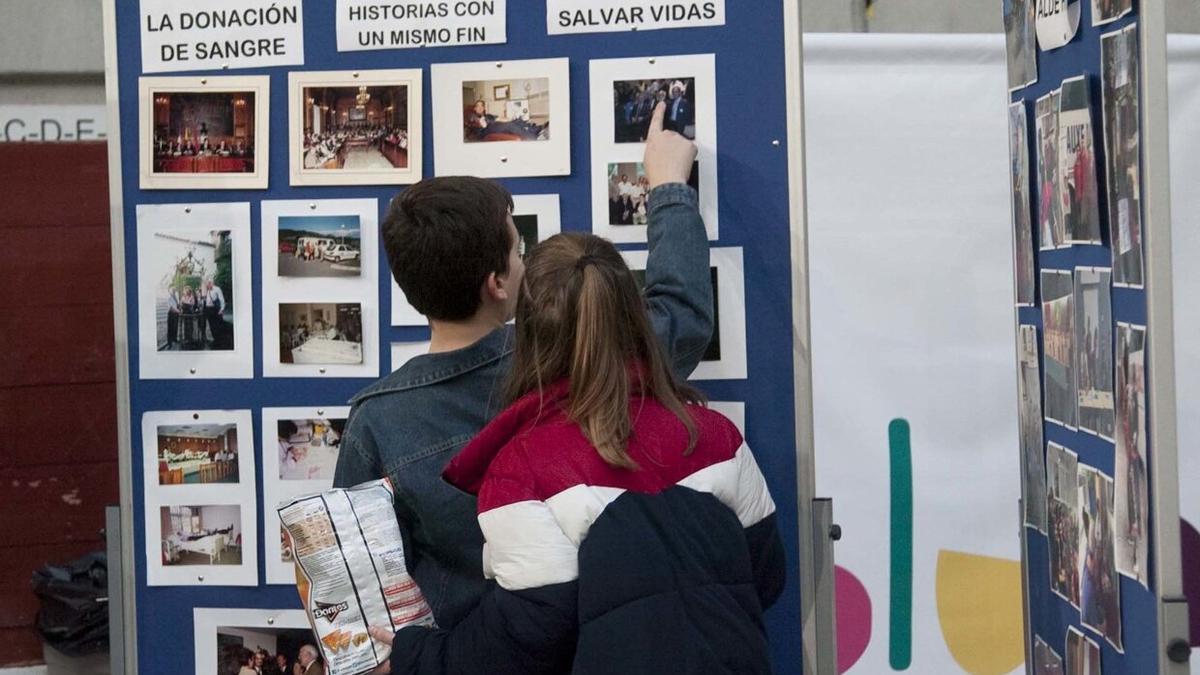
x,y
581,316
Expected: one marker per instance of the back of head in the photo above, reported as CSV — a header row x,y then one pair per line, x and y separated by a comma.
x,y
443,237
581,316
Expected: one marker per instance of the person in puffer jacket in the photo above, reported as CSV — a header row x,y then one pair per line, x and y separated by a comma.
x,y
628,528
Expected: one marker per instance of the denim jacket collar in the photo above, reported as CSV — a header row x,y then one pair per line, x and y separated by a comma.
x,y
428,369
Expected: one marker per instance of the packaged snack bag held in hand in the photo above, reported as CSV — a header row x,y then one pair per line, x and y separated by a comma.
x,y
351,573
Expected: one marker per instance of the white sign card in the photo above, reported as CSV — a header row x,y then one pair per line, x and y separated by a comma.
x,y
221,34
364,24
502,119
623,95
207,622
300,453
403,352
564,17
354,127
187,328
1057,21
528,211
726,355
201,514
53,123
320,311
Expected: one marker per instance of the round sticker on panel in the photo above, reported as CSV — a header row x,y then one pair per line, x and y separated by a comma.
x,y
1057,22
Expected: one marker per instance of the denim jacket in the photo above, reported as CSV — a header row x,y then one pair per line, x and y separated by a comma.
x,y
408,425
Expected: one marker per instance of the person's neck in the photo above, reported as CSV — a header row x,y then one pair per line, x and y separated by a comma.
x,y
448,336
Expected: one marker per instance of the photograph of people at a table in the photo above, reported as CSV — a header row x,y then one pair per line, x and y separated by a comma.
x,y
634,102
194,304
308,448
320,333
319,246
201,535
356,127
506,110
204,132
197,453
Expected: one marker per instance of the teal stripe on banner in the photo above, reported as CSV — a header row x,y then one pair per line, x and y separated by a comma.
x,y
900,607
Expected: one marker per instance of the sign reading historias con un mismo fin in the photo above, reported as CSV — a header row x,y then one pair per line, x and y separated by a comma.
x,y
221,34
604,16
363,24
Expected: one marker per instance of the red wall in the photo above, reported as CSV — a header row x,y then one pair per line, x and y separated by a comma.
x,y
58,446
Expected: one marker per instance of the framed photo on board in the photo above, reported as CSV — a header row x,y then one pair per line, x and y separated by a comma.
x,y
502,119
203,133
354,127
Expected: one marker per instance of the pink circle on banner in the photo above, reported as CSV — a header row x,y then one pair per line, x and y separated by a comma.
x,y
853,618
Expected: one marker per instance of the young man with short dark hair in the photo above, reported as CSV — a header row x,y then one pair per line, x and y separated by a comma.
x,y
454,251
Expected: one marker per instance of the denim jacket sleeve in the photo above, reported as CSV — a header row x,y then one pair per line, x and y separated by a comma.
x,y
678,280
356,463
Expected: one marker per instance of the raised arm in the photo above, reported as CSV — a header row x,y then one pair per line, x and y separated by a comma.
x,y
678,279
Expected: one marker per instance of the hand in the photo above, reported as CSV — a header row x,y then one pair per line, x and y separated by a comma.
x,y
384,636
669,156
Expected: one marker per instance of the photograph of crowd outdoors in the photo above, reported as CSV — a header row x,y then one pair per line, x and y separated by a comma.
x,y
1132,501
197,453
1122,143
1077,163
1022,42
629,192
634,102
1062,471
267,651
356,127
1051,224
319,246
194,295
1018,152
204,132
1100,589
308,448
506,110
201,535
320,333
1045,660
1029,418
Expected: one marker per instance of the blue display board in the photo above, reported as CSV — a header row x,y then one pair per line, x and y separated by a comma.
x,y
1050,614
753,203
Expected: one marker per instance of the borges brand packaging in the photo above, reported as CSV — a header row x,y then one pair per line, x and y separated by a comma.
x,y
351,573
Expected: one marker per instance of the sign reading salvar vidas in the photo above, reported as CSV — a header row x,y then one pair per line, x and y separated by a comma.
x,y
602,16
220,34
365,25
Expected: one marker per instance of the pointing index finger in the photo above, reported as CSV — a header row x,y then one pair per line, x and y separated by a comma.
x,y
656,121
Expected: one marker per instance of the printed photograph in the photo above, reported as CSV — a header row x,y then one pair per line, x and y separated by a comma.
x,y
713,351
1122,143
320,333
355,128
267,651
286,552
1018,152
1100,589
1077,163
634,102
1045,660
192,454
506,110
629,192
193,289
1094,350
208,132
1058,333
320,246
308,448
1051,225
1083,655
201,535
1132,503
1021,39
1106,11
527,230
1062,470
1029,414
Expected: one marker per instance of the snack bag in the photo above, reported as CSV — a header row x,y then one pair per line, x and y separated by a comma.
x,y
351,573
